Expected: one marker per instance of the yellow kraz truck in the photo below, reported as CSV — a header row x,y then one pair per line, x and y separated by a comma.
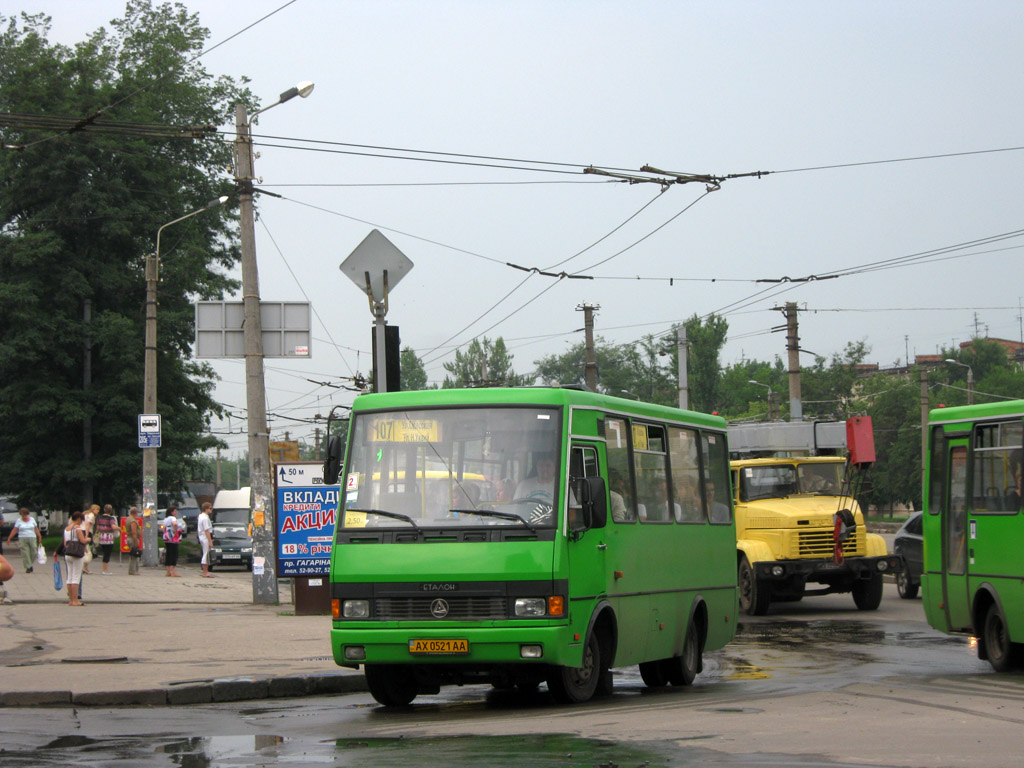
x,y
794,525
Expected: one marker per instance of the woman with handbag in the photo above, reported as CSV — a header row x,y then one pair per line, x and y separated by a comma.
x,y
75,542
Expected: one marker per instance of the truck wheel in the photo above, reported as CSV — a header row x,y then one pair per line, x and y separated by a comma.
x,y
654,673
754,593
389,685
571,685
1003,654
867,593
906,586
681,670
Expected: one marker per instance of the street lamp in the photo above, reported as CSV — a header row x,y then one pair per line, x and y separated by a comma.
x,y
771,400
970,378
264,579
149,497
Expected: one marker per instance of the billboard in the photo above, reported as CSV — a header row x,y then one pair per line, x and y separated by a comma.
x,y
306,512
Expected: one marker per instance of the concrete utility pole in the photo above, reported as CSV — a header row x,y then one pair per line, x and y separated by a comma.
x,y
590,371
796,409
264,578
924,425
683,350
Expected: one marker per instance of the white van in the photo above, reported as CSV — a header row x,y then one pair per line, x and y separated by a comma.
x,y
233,506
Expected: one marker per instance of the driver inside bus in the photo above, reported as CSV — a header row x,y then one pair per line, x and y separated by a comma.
x,y
541,486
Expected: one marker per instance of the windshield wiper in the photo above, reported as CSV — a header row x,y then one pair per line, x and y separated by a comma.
x,y
494,513
395,515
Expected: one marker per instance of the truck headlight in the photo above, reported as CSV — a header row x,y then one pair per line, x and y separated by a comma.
x,y
531,606
355,609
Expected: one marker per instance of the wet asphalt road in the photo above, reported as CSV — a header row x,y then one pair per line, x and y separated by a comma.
x,y
815,683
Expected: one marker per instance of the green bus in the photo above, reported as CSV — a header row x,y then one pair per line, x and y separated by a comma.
x,y
529,535
973,574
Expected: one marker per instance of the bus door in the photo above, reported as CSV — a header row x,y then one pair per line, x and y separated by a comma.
x,y
588,549
954,539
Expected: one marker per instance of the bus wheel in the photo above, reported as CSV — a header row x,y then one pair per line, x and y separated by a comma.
x,y
681,670
754,594
571,685
390,686
654,673
1003,655
867,593
906,586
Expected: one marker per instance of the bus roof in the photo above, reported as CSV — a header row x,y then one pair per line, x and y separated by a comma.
x,y
974,412
540,396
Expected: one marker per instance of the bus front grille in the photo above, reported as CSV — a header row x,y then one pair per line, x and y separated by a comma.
x,y
424,608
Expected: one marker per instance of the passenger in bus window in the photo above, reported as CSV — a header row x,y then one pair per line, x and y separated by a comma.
x,y
687,502
618,504
719,512
1014,496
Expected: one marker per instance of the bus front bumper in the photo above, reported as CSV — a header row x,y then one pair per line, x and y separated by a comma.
x,y
455,645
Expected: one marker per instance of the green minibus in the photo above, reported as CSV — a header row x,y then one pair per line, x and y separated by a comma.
x,y
973,576
530,535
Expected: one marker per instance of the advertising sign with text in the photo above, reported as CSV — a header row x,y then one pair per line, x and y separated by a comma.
x,y
306,512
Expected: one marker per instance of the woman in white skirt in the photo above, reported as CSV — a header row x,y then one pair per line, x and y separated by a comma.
x,y
75,531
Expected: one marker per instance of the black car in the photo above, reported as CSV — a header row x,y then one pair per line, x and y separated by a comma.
x,y
232,545
909,542
191,517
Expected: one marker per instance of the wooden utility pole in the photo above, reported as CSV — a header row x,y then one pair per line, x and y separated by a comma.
x,y
590,371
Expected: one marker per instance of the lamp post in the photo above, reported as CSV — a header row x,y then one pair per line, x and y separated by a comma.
x,y
970,378
771,399
149,484
264,579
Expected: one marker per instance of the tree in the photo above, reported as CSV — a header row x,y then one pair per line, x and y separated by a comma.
x,y
705,339
79,211
483,364
414,375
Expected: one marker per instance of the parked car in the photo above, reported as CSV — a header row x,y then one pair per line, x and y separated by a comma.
x,y
191,517
909,543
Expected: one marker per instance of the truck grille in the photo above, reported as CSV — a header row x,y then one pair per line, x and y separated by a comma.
x,y
459,608
821,544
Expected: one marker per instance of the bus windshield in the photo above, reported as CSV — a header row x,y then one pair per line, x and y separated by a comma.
x,y
453,467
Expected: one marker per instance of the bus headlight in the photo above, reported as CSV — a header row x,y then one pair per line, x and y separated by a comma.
x,y
355,609
531,606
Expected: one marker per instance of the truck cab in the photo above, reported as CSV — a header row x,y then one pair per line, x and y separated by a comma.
x,y
797,523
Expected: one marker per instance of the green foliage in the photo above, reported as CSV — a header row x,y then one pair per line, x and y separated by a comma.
x,y
705,339
483,364
414,375
78,214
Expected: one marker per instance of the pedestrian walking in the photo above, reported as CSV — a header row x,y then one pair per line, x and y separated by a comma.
x,y
29,538
133,531
172,528
74,546
205,531
106,530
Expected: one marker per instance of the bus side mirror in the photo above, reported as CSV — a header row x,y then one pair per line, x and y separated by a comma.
x,y
594,501
332,464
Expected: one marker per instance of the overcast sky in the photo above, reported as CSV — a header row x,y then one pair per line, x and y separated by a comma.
x,y
820,94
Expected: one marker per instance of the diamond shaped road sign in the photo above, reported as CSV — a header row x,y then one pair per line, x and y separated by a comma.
x,y
372,257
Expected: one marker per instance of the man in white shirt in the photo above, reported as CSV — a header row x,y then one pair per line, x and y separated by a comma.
x,y
205,532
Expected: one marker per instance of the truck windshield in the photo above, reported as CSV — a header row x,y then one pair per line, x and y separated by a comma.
x,y
767,482
821,478
453,467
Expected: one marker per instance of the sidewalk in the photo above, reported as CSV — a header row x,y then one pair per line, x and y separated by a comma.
x,y
151,640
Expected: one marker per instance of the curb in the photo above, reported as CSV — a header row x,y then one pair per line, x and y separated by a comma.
x,y
245,688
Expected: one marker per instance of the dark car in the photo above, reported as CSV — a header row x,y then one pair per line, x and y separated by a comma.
x,y
232,545
191,517
909,542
